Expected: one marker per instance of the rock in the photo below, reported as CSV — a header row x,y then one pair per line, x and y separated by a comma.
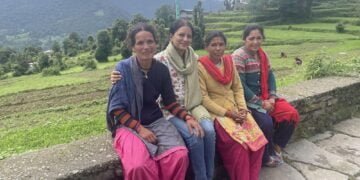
x,y
319,137
283,172
313,172
307,152
344,146
350,127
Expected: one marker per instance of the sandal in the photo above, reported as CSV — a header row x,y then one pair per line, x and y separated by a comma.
x,y
279,156
274,161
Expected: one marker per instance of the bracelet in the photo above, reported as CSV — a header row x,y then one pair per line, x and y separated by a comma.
x,y
186,116
138,127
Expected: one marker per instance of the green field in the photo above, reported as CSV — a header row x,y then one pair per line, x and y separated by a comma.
x,y
38,112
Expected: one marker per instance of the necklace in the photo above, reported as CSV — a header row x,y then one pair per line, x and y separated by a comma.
x,y
145,73
144,70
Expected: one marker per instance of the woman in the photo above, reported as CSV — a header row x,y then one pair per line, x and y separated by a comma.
x,y
276,117
148,145
181,60
239,140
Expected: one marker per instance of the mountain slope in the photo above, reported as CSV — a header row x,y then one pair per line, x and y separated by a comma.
x,y
24,21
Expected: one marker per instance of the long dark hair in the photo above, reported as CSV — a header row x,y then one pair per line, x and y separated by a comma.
x,y
141,26
178,24
251,27
213,34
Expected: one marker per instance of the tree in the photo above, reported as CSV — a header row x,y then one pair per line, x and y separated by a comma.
x,y
90,43
72,44
118,31
104,47
56,47
229,4
70,47
20,65
75,37
197,38
57,61
291,9
161,33
257,6
5,55
166,13
138,18
125,52
31,53
43,61
198,19
199,26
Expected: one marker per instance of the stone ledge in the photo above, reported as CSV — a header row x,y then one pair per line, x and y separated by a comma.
x,y
321,103
83,158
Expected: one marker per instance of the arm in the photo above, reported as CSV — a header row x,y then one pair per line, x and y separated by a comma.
x,y
209,104
238,91
115,76
240,65
119,103
174,108
168,95
272,84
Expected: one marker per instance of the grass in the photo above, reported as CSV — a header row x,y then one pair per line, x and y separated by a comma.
x,y
22,133
318,27
290,37
75,75
40,118
231,25
33,82
350,20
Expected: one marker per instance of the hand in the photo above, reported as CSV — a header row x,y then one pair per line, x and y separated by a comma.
x,y
236,116
194,126
267,105
147,134
272,101
115,76
243,114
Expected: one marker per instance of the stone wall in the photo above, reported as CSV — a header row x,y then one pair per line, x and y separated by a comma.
x,y
321,103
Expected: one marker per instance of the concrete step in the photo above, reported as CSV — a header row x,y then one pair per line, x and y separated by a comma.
x,y
283,172
332,155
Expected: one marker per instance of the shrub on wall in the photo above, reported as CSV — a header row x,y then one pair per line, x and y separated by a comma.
x,y
322,66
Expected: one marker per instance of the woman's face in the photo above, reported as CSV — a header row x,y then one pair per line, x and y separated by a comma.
x,y
145,45
182,38
254,40
216,48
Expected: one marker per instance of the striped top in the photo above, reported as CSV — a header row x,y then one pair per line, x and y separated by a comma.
x,y
248,67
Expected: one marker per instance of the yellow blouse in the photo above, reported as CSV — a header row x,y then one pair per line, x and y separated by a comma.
x,y
218,98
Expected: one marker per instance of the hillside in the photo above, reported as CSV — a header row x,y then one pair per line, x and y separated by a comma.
x,y
35,21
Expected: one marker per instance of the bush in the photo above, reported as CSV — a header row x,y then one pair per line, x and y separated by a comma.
x,y
2,77
116,50
51,71
70,62
125,52
90,65
2,70
101,55
322,66
340,28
